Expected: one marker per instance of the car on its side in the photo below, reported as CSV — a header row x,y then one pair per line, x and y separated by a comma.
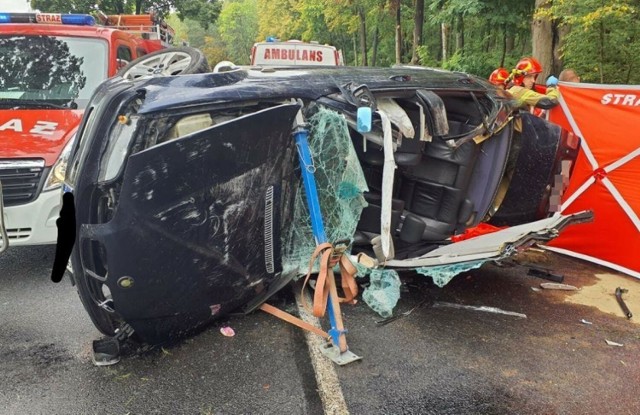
x,y
187,195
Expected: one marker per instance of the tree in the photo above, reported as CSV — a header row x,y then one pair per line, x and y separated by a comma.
x,y
238,28
543,38
205,12
602,40
396,8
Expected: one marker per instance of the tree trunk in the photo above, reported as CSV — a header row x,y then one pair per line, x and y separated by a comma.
x,y
398,35
510,42
601,53
561,33
355,51
418,23
139,6
460,35
504,45
542,39
444,31
374,52
363,36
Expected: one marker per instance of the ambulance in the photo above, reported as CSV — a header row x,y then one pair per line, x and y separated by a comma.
x,y
294,53
50,65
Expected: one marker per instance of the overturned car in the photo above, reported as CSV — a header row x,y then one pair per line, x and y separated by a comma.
x,y
189,203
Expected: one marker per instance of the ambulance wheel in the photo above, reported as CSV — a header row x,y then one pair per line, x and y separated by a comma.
x,y
166,62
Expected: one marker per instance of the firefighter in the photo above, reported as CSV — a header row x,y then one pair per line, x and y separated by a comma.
x,y
524,77
499,77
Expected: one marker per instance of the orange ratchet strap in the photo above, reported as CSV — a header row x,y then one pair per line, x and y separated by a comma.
x,y
330,256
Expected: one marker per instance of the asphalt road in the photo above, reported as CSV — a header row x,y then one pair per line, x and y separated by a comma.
x,y
46,368
437,360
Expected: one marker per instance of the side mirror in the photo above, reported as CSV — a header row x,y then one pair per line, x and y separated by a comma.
x,y
364,118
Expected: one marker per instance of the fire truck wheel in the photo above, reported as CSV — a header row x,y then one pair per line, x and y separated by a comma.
x,y
165,62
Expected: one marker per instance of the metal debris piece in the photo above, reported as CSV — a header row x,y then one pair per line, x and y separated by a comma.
x,y
556,286
227,331
623,306
544,273
610,343
583,321
479,308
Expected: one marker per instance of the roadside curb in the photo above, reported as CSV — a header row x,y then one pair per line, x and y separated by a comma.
x,y
329,388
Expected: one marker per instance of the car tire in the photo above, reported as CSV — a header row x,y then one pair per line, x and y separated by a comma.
x,y
166,62
89,290
101,319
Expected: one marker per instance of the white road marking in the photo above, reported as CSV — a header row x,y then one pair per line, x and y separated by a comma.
x,y
333,401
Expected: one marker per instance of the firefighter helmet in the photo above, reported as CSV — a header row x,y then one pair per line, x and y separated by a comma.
x,y
528,66
499,76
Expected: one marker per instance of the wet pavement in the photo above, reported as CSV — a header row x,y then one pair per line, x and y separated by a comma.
x,y
45,360
437,360
458,361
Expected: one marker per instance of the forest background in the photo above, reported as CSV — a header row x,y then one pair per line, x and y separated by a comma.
x,y
597,38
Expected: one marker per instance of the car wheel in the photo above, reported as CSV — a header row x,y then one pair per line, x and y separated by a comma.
x,y
92,292
166,62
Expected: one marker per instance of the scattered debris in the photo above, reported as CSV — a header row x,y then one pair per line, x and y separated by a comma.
x,y
610,343
533,249
557,286
479,308
583,321
400,315
544,273
623,306
227,331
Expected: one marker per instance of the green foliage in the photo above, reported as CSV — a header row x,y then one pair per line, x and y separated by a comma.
x,y
205,12
238,28
63,6
603,43
599,38
207,40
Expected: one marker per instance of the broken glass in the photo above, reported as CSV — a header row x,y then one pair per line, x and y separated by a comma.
x,y
340,183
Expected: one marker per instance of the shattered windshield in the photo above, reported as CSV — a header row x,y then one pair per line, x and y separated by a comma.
x,y
50,72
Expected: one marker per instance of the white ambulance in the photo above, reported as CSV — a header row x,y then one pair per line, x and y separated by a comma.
x,y
295,53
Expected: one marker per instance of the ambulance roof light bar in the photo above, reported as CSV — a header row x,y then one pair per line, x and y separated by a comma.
x,y
48,18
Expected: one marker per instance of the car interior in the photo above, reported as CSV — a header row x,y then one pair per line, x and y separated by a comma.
x,y
446,176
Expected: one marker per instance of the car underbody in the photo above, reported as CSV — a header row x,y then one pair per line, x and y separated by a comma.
x,y
189,203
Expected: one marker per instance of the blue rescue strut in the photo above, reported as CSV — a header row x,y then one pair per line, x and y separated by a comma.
x,y
301,135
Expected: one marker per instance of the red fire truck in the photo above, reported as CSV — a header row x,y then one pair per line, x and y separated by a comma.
x,y
50,65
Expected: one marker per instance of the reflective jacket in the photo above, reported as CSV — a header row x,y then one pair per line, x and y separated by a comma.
x,y
527,98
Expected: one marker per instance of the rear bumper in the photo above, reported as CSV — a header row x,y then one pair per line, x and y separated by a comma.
x,y
34,223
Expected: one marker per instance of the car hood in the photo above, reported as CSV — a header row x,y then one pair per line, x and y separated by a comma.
x,y
37,133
